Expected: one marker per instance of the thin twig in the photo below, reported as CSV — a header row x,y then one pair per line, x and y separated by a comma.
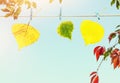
x,y
100,65
103,58
115,45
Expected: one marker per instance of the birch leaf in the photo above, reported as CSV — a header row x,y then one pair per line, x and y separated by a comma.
x,y
50,1
65,29
113,2
25,34
60,1
28,3
92,32
34,5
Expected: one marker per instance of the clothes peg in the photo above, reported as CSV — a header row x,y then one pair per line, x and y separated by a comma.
x,y
60,14
98,16
31,15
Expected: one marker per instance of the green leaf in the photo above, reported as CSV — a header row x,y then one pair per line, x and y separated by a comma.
x,y
117,30
107,53
65,29
118,39
111,36
117,26
117,4
112,2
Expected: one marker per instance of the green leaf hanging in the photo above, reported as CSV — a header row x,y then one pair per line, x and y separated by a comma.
x,y
112,2
116,2
65,29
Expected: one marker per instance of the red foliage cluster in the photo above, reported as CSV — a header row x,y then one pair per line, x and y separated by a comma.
x,y
115,57
112,52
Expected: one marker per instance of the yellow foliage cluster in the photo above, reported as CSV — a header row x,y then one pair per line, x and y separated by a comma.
x,y
13,7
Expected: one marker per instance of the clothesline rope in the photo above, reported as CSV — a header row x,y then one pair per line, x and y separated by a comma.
x,y
74,16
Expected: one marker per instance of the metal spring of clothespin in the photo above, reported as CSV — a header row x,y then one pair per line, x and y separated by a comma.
x,y
31,15
98,16
60,14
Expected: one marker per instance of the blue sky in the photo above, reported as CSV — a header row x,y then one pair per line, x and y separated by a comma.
x,y
54,59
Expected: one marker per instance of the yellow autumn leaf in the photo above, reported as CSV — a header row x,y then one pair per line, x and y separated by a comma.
x,y
28,3
8,14
25,35
5,10
17,12
10,11
20,2
34,5
92,32
50,1
60,1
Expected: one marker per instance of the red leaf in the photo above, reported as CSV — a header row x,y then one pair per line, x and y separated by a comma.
x,y
93,73
115,58
96,48
115,50
94,77
98,51
119,62
115,62
102,50
97,55
111,36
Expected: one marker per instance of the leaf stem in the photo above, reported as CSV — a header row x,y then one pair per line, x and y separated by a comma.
x,y
115,45
100,65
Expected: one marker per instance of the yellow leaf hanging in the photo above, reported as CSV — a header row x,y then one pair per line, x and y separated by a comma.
x,y
92,32
25,34
34,5
60,1
50,1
